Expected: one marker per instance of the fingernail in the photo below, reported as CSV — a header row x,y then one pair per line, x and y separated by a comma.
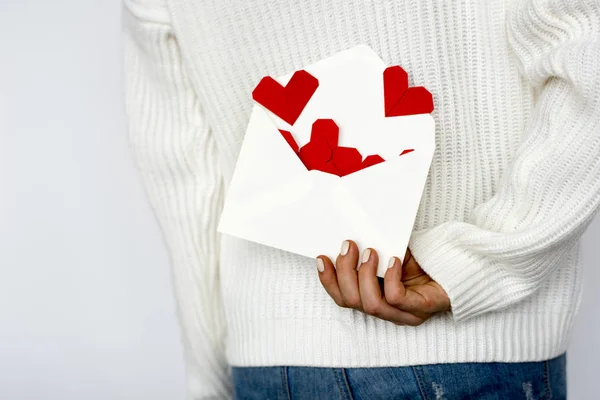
x,y
345,247
366,255
392,262
320,265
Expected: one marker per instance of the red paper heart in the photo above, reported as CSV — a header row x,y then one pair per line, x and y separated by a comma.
x,y
314,155
346,160
325,131
403,100
290,139
371,160
330,168
318,151
395,83
289,101
322,152
416,100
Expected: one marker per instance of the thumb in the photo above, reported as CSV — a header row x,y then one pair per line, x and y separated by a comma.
x,y
412,273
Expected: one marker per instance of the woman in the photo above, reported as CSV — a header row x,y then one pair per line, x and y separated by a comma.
x,y
483,306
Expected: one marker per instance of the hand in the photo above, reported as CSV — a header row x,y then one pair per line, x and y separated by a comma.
x,y
408,295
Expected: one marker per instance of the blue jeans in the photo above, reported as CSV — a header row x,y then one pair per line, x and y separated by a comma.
x,y
527,381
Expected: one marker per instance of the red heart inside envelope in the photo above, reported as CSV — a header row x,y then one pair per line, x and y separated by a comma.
x,y
322,152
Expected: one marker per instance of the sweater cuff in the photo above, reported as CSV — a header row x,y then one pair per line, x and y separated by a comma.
x,y
474,285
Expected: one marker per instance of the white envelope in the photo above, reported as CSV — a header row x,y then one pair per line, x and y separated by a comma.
x,y
274,200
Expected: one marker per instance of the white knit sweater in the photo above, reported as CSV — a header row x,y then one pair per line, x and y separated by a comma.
x,y
514,182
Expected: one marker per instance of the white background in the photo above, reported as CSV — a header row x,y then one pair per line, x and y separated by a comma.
x,y
86,309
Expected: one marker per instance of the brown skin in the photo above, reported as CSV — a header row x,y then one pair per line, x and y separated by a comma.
x,y
408,296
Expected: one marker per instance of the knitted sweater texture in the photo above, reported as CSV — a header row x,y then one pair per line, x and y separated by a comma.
x,y
514,182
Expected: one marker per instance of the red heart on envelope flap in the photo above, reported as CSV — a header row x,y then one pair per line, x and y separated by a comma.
x,y
403,100
289,101
395,81
416,100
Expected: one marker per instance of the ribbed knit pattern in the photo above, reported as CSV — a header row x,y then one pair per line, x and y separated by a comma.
x,y
514,182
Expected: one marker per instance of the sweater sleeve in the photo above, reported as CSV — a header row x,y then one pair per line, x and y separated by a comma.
x,y
177,158
549,194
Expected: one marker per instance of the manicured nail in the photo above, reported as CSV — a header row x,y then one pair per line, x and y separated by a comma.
x,y
366,255
320,265
392,262
345,247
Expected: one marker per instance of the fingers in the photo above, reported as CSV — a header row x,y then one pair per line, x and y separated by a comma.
x,y
373,302
393,288
368,287
412,273
395,291
408,302
347,276
421,299
341,281
328,278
